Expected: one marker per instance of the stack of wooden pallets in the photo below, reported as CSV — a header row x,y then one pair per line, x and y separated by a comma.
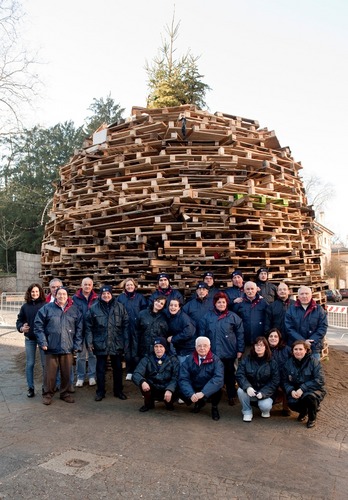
x,y
183,191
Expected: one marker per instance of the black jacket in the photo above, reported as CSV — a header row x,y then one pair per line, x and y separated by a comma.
x,y
148,326
163,377
106,327
27,314
275,316
260,374
306,374
183,332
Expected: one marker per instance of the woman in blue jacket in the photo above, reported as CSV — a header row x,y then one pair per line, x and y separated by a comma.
x,y
225,331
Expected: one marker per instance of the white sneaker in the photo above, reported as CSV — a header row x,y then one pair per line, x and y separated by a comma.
x,y
180,401
79,383
92,381
129,376
247,418
265,414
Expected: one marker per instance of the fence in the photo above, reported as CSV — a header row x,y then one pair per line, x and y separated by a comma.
x,y
337,316
11,301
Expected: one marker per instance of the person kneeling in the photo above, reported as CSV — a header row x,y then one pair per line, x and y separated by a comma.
x,y
201,378
258,378
157,375
304,384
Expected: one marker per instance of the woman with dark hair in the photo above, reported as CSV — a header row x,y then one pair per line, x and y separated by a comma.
x,y
303,381
34,300
225,331
258,379
281,352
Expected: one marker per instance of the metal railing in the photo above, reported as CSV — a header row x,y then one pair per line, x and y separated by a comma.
x,y
337,316
11,301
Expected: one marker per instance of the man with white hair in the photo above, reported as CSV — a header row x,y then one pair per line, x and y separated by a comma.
x,y
201,378
306,320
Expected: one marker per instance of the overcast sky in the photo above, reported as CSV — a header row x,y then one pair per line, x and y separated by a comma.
x,y
281,62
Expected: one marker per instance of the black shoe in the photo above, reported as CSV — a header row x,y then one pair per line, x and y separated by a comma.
x,y
215,415
30,392
286,413
198,406
169,406
99,397
121,395
144,408
310,424
232,401
301,417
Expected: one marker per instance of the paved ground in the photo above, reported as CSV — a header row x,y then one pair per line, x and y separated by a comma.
x,y
90,450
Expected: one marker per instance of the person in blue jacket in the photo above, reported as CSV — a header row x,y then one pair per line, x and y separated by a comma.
x,y
181,329
235,292
134,302
225,331
200,304
58,328
201,378
306,320
83,299
252,310
164,289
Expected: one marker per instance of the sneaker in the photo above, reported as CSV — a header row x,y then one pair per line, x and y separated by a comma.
x,y
92,381
265,414
247,418
129,376
180,401
79,383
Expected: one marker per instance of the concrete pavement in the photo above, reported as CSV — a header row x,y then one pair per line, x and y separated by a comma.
x,y
102,450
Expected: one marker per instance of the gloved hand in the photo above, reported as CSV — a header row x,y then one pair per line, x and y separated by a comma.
x,y
259,395
250,392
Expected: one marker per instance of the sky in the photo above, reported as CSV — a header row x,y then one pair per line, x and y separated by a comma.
x,y
281,62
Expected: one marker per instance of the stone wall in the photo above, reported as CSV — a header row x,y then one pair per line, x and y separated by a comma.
x,y
28,270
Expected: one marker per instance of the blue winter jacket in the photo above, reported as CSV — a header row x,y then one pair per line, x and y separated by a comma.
x,y
59,330
305,324
253,316
183,331
225,331
207,377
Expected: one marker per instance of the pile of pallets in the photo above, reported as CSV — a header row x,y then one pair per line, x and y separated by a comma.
x,y
183,191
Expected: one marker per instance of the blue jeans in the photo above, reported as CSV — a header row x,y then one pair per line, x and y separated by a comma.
x,y
81,364
30,354
264,404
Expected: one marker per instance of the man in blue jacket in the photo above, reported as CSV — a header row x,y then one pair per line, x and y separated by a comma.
x,y
58,329
306,320
201,377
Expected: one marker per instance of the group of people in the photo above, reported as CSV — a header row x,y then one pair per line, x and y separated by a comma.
x,y
250,338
